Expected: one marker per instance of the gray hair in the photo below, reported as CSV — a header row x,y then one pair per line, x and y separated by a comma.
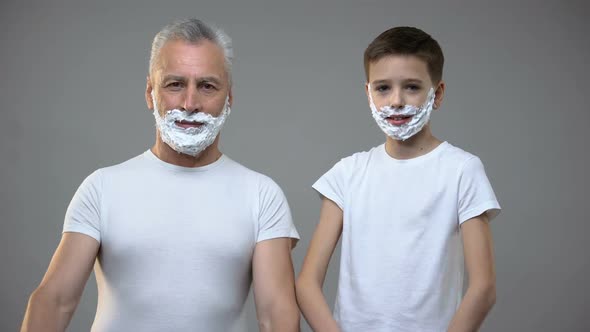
x,y
193,31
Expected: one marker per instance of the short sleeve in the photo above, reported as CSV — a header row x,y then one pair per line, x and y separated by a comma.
x,y
476,195
83,213
333,184
274,219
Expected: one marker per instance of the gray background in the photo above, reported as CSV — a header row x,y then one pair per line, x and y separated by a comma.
x,y
72,85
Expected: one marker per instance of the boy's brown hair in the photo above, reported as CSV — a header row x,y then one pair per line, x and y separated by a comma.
x,y
407,41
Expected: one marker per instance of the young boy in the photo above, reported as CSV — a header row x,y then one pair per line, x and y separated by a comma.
x,y
412,211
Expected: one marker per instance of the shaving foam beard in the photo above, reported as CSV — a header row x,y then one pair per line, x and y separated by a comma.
x,y
420,117
194,140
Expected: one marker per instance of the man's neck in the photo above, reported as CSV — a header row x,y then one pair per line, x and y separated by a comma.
x,y
416,146
165,153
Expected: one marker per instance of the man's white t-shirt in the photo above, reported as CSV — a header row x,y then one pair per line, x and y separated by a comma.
x,y
401,266
176,243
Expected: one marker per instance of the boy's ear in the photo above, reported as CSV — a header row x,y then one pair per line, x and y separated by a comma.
x,y
230,96
439,94
367,90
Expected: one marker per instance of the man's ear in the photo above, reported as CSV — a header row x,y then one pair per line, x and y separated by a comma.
x,y
148,93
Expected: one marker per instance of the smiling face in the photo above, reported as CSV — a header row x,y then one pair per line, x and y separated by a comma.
x,y
401,95
190,78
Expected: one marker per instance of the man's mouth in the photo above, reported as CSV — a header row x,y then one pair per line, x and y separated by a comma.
x,y
188,124
398,120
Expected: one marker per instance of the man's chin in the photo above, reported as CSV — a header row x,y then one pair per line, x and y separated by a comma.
x,y
186,152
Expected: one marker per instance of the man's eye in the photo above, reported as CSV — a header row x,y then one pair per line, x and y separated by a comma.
x,y
174,85
208,86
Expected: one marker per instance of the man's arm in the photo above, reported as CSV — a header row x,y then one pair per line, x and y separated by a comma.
x,y
274,286
479,260
52,304
313,273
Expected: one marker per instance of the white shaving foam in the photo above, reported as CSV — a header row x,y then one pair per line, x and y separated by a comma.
x,y
420,116
194,140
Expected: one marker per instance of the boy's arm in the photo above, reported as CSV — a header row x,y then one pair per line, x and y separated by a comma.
x,y
274,286
52,304
479,260
313,272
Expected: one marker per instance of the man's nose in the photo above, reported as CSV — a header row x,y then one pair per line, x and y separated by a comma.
x,y
192,101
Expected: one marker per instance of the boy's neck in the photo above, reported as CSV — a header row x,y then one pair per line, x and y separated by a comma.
x,y
416,146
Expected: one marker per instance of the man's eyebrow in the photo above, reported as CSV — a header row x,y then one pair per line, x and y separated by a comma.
x,y
211,79
173,78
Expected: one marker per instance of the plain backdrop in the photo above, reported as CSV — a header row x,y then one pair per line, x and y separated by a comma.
x,y
72,100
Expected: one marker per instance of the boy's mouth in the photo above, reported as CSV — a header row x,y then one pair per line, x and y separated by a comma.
x,y
188,124
399,120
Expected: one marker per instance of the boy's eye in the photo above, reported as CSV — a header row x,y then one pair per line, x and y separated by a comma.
x,y
413,87
381,88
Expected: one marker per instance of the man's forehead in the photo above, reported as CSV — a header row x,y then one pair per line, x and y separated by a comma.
x,y
181,58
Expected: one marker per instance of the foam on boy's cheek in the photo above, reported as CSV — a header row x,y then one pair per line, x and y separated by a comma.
x,y
420,116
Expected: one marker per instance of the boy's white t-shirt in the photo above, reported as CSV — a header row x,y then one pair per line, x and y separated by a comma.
x,y
401,266
176,243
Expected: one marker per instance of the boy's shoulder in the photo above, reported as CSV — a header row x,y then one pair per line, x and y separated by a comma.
x,y
448,154
456,154
360,158
457,157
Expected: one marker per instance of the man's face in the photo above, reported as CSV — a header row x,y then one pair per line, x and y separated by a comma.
x,y
190,77
399,80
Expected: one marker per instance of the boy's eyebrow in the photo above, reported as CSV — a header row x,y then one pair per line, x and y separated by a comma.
x,y
380,82
413,80
407,80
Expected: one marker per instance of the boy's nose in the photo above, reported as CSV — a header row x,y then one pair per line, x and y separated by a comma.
x,y
396,100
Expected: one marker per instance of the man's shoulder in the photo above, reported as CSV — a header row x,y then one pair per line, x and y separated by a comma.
x,y
128,165
246,173
122,170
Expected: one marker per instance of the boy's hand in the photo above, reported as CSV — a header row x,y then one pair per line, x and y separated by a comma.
x,y
479,260
313,272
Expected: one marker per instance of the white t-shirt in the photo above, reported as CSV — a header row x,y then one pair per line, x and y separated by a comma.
x,y
176,242
401,266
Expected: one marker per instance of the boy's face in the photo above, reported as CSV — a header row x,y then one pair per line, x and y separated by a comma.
x,y
399,80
